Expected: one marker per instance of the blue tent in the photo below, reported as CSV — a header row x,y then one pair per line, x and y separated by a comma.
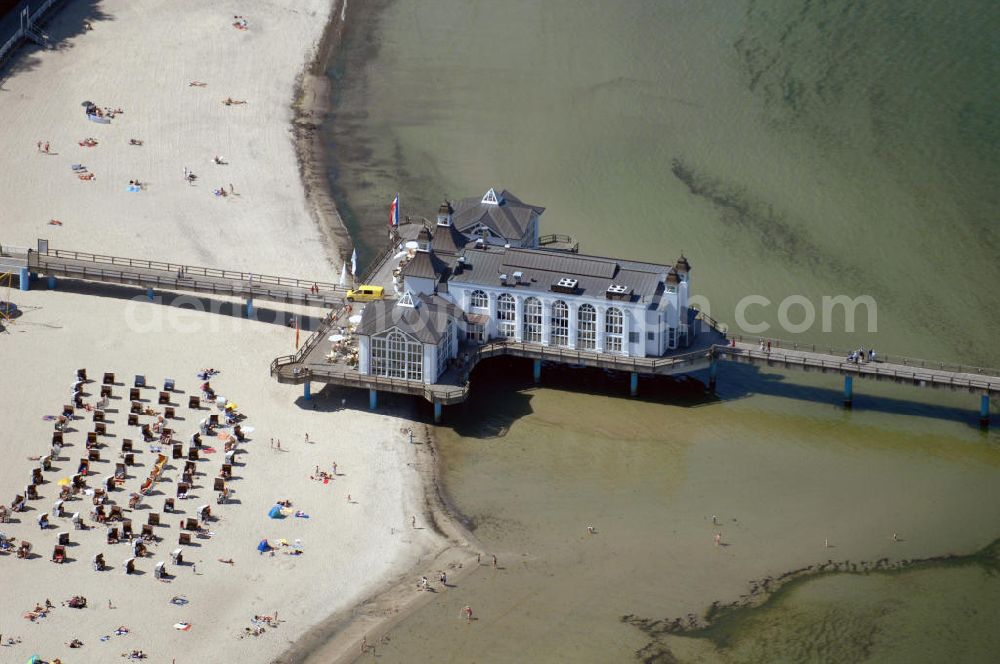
x,y
275,512
263,546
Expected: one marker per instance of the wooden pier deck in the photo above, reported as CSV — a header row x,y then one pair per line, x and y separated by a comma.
x,y
172,276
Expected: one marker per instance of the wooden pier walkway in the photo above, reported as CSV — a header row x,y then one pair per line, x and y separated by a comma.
x,y
153,275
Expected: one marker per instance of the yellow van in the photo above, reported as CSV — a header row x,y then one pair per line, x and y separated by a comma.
x,y
365,293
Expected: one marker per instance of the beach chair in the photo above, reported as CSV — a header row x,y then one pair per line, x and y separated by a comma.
x,y
185,538
120,471
81,374
182,489
190,467
193,454
91,438
31,492
147,533
58,508
223,496
187,477
17,503
77,521
129,566
99,495
213,420
153,519
204,512
84,468
59,554
133,420
64,538
78,401
129,459
168,505
113,535
136,407
101,429
43,520
98,415
194,402
178,451
238,432
196,439
164,398
177,556
106,391
46,462
98,562
147,433
116,513
227,470
138,549
127,529
160,571
169,412
36,476
190,524
93,454
219,484
67,410
57,437
24,549
133,394
140,381
109,378
127,445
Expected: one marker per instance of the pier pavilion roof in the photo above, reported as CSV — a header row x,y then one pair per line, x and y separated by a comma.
x,y
448,240
547,271
427,320
508,217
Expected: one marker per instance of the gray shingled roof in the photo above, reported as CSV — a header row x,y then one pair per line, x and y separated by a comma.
x,y
508,220
541,269
448,240
427,322
425,265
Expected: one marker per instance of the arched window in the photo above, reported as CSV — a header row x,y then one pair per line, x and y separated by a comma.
x,y
560,323
532,316
614,330
396,356
506,316
479,300
586,327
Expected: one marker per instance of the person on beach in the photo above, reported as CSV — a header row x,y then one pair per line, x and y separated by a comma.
x,y
307,441
718,539
46,148
715,520
494,562
467,612
895,537
364,643
590,529
444,579
334,468
413,521
349,498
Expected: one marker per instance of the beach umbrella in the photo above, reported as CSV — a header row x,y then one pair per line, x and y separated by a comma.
x,y
64,482
276,513
230,406
355,319
86,103
343,275
336,337
263,546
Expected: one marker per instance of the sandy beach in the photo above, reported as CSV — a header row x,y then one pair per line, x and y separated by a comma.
x,y
143,60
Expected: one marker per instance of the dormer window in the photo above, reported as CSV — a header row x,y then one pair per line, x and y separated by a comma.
x,y
407,301
491,198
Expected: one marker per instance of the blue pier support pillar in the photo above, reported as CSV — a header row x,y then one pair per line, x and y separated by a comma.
x,y
848,391
307,391
249,309
633,384
150,295
52,282
536,371
713,372
372,399
984,411
437,411
25,278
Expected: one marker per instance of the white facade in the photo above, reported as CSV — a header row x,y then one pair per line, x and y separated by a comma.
x,y
576,322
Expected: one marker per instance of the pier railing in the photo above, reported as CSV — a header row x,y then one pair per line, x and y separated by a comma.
x,y
811,360
559,238
387,250
879,357
721,328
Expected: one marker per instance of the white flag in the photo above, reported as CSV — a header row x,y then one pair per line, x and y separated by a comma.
x,y
354,263
343,275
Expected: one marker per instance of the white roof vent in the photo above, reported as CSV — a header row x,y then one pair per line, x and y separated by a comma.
x,y
617,289
518,276
503,277
565,285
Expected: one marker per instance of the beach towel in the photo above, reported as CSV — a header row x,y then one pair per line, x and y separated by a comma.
x,y
132,188
183,626
302,515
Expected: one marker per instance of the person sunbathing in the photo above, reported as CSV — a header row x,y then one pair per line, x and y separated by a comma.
x,y
197,84
228,561
134,141
75,643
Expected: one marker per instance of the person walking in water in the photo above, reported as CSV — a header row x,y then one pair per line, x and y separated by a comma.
x,y
467,612
718,539
494,562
